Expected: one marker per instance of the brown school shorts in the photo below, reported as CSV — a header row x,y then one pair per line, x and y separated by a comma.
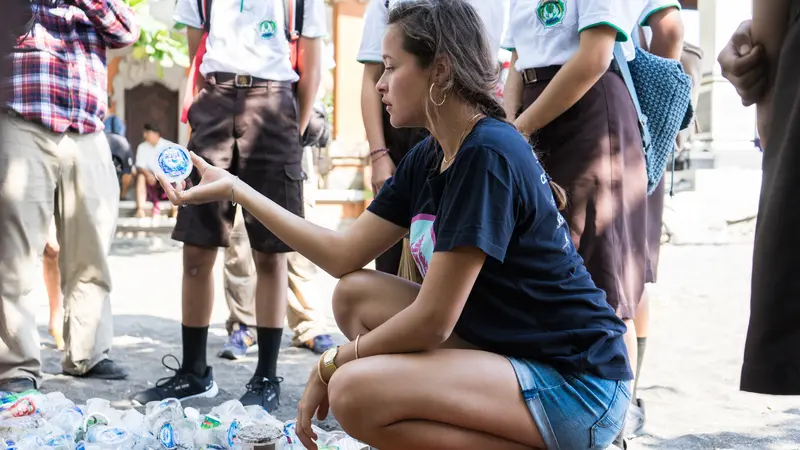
x,y
253,133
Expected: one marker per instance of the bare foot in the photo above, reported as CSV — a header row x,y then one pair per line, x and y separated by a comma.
x,y
139,213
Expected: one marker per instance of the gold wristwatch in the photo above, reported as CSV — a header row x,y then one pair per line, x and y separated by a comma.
x,y
328,363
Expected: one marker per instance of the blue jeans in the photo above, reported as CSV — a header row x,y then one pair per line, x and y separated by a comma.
x,y
575,411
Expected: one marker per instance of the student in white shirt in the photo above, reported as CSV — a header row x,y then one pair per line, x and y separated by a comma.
x,y
248,120
387,144
146,169
582,122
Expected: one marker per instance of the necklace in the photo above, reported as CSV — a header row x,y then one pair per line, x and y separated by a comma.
x,y
461,140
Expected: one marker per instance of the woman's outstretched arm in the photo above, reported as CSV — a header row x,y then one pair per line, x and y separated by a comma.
x,y
336,252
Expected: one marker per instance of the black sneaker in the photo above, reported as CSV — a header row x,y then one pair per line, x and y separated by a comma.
x,y
263,392
182,385
104,370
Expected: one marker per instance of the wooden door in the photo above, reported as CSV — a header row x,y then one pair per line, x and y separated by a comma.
x,y
154,104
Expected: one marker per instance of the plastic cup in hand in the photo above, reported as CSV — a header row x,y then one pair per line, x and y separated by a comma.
x,y
175,163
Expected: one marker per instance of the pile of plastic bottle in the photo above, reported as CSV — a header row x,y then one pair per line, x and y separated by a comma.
x,y
33,420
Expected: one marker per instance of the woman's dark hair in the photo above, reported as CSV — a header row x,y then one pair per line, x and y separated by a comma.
x,y
453,29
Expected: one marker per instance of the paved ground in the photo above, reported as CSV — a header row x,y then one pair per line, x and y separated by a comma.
x,y
690,379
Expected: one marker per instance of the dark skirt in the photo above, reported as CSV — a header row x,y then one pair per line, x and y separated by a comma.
x,y
594,151
399,141
772,350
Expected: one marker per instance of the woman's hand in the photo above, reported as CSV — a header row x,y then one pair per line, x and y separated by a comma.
x,y
314,399
215,185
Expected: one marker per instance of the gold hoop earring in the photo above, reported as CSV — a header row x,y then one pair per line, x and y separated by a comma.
x,y
430,94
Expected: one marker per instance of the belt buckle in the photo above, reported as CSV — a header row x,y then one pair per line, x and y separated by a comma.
x,y
243,81
528,80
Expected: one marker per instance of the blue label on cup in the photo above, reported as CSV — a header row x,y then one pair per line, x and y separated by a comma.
x,y
166,436
174,162
233,433
112,435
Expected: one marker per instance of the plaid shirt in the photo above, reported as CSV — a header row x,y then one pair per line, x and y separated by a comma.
x,y
60,77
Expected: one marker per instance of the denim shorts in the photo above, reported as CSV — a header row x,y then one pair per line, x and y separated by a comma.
x,y
575,411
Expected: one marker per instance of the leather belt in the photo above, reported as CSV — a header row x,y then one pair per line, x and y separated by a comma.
x,y
531,76
242,81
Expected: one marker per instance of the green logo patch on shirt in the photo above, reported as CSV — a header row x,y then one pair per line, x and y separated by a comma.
x,y
551,12
267,29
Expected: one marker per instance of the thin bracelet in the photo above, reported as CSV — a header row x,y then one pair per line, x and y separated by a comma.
x,y
378,154
319,372
357,338
373,159
233,190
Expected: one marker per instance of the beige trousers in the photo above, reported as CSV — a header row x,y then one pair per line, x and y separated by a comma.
x,y
240,275
35,164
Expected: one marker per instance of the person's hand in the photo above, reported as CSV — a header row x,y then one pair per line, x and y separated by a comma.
x,y
382,169
745,65
215,185
314,399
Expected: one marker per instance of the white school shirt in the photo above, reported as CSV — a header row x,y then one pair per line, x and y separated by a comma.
x,y
547,32
147,154
653,6
690,18
493,13
248,36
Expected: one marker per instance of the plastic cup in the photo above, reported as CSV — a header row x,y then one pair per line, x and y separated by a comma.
x,y
175,163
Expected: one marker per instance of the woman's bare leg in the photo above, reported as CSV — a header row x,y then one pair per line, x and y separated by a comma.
x,y
364,300
434,400
445,399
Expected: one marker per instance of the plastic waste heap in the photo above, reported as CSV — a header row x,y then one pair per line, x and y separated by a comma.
x,y
34,420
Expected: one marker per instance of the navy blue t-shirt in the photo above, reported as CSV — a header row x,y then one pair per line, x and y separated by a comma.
x,y
533,297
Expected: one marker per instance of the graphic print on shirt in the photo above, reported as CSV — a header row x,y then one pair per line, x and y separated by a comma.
x,y
267,29
560,222
422,240
551,12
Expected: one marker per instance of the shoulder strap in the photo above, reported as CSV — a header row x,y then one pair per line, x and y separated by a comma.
x,y
622,62
298,18
204,9
293,18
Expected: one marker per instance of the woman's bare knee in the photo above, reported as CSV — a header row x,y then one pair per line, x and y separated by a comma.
x,y
351,400
348,296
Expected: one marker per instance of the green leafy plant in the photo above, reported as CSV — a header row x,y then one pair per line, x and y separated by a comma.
x,y
161,44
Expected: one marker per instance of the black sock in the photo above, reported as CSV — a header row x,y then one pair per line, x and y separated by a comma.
x,y
269,345
194,349
641,344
